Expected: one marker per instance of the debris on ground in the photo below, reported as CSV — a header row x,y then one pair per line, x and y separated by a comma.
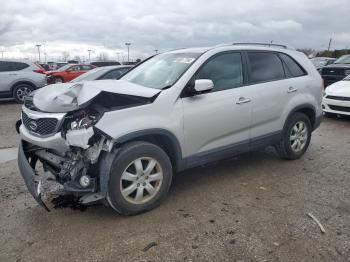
x,y
64,201
149,246
318,222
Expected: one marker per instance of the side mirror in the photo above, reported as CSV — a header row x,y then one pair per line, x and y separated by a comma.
x,y
201,85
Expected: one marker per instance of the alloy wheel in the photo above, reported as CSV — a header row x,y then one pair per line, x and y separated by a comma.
x,y
141,180
298,136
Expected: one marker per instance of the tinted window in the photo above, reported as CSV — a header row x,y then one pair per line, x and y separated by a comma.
x,y
5,66
12,66
292,67
265,67
115,74
224,70
86,67
74,68
19,66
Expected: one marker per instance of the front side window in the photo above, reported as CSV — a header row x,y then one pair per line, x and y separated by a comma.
x,y
265,67
74,68
225,70
162,70
292,68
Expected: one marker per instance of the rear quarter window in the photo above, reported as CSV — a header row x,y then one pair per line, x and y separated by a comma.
x,y
265,67
293,69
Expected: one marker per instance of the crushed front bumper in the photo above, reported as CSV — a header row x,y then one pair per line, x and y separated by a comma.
x,y
29,176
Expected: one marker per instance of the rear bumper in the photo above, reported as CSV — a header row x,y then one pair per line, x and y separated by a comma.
x,y
29,176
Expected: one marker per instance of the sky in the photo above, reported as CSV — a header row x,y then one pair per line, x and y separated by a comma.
x,y
104,26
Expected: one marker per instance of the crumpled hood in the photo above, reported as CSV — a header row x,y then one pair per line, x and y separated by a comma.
x,y
65,97
341,88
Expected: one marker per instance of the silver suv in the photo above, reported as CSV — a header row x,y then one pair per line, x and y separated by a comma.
x,y
120,141
19,78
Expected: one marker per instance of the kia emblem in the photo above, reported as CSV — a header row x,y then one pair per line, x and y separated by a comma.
x,y
33,125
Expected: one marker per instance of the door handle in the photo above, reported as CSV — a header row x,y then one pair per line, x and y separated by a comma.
x,y
12,74
292,89
243,100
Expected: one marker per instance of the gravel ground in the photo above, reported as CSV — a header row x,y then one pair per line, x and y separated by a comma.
x,y
249,208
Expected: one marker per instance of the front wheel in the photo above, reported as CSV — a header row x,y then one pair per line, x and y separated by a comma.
x,y
140,178
295,138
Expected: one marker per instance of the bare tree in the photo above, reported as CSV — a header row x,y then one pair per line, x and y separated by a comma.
x,y
65,56
103,57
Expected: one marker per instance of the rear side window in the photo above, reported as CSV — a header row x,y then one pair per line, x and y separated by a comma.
x,y
265,67
85,67
292,68
224,70
19,66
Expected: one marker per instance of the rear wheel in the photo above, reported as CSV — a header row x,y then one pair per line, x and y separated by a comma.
x,y
296,137
58,80
21,91
140,178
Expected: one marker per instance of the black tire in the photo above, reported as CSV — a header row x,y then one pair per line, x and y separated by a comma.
x,y
58,80
20,91
284,148
126,155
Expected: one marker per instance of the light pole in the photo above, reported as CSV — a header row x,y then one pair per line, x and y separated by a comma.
x,y
156,50
118,53
38,46
128,45
89,54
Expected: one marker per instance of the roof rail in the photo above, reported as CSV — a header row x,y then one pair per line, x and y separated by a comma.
x,y
262,44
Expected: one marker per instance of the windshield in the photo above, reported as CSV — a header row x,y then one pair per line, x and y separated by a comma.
x,y
345,59
64,68
91,75
162,70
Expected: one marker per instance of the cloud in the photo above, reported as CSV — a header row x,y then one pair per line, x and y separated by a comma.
x,y
105,25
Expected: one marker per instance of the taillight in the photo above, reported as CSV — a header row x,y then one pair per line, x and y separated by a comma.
x,y
40,71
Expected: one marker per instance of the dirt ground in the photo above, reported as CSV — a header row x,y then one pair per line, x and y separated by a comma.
x,y
249,208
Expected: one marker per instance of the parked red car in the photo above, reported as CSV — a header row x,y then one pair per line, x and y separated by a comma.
x,y
67,73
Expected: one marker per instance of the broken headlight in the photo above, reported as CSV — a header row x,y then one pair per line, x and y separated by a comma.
x,y
84,121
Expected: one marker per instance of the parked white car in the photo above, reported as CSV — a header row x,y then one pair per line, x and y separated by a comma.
x,y
336,100
120,141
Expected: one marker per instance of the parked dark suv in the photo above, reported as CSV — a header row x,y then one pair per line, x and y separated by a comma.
x,y
337,71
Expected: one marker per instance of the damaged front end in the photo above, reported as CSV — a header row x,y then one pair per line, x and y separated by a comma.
x,y
64,143
76,168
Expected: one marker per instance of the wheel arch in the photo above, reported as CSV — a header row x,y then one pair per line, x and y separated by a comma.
x,y
160,137
308,109
21,83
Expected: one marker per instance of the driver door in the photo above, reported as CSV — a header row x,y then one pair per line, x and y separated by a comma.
x,y
217,123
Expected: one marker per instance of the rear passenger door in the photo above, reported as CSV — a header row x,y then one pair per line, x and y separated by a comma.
x,y
271,91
